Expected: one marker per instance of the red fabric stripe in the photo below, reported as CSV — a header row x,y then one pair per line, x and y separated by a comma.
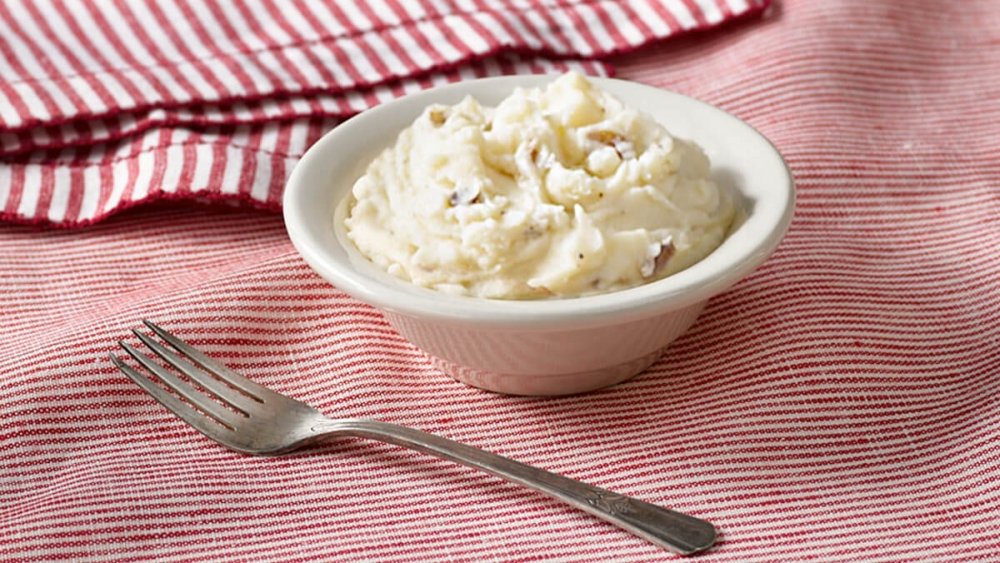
x,y
278,166
249,162
75,196
14,199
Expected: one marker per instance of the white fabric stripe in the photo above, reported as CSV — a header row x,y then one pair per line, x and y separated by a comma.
x,y
10,116
681,13
269,138
331,63
386,54
119,180
144,163
270,62
440,6
469,37
21,52
623,23
6,179
185,29
385,13
61,188
320,13
738,6
295,56
86,92
257,76
578,43
101,43
91,192
262,177
203,167
359,60
596,27
179,136
412,48
240,111
57,95
301,105
6,65
355,16
61,28
207,20
34,105
31,191
301,24
163,44
547,36
649,16
234,13
440,42
174,164
493,25
414,9
528,35
132,76
231,172
712,13
383,94
164,77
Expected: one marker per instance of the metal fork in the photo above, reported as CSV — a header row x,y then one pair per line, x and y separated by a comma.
x,y
249,418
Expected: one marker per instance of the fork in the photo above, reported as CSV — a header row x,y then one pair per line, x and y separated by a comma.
x,y
252,419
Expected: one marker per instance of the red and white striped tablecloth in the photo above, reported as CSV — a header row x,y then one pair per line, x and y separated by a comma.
x,y
841,403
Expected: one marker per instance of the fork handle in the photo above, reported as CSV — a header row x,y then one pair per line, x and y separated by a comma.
x,y
672,530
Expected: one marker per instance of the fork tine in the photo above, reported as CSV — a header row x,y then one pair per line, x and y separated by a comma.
x,y
206,405
234,398
183,411
254,390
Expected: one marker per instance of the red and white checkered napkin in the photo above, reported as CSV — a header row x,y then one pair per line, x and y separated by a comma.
x,y
841,403
106,104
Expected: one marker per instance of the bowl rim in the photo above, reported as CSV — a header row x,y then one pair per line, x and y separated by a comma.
x,y
688,287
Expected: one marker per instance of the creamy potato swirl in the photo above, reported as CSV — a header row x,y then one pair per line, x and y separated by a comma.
x,y
557,192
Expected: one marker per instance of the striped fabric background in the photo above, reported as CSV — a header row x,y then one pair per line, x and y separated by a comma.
x,y
220,98
841,403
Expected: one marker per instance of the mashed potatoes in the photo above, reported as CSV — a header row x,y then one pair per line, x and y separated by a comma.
x,y
561,191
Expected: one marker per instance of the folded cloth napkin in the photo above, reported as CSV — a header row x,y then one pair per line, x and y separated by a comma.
x,y
839,404
107,104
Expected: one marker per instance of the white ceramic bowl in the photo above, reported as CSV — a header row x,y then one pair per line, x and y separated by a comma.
x,y
548,347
